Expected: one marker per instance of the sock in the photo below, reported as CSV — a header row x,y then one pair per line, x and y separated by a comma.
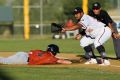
x,y
101,50
89,52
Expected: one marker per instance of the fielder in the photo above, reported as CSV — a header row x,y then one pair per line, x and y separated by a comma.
x,y
95,32
36,57
104,17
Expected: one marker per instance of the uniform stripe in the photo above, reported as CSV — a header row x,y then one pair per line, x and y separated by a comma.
x,y
101,36
89,36
84,27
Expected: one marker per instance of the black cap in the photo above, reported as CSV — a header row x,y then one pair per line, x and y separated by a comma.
x,y
78,10
96,5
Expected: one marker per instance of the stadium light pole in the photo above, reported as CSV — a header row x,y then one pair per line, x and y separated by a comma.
x,y
26,20
85,6
41,17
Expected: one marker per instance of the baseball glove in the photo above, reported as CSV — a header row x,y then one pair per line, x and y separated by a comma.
x,y
55,28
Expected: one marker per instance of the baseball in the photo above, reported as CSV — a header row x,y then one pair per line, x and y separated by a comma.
x,y
37,26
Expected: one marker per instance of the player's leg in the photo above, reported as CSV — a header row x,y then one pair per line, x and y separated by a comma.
x,y
116,43
22,57
86,42
18,58
93,47
89,53
103,36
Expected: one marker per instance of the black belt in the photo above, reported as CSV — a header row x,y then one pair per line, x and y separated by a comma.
x,y
28,59
105,25
89,36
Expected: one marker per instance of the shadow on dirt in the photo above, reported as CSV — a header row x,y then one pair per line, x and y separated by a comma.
x,y
82,59
98,57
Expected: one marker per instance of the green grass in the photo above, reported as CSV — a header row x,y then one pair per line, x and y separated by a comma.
x,y
57,73
53,73
66,46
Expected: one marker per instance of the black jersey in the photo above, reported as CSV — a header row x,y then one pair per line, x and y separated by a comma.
x,y
103,16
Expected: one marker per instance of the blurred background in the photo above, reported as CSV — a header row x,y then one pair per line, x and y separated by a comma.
x,y
42,13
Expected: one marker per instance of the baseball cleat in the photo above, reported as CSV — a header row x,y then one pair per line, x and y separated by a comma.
x,y
91,61
105,63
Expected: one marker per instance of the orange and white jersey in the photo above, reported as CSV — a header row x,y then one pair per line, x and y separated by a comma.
x,y
37,57
34,57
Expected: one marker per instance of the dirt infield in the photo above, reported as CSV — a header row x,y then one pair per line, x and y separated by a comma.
x,y
78,62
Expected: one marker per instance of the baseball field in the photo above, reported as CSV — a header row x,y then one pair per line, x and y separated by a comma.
x,y
69,49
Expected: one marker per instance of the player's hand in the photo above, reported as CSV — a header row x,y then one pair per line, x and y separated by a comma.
x,y
63,30
77,37
62,61
116,35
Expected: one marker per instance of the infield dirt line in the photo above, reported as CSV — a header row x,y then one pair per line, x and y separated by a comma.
x,y
114,66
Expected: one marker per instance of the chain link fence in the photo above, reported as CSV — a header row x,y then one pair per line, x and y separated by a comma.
x,y
43,12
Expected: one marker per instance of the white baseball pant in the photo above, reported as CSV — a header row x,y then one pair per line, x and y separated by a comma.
x,y
18,58
102,36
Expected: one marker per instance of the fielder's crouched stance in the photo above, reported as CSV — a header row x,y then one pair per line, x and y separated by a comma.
x,y
36,57
95,33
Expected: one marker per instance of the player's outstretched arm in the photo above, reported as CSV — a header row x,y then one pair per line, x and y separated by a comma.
x,y
62,61
74,27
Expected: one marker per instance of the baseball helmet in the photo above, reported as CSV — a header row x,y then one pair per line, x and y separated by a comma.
x,y
54,49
